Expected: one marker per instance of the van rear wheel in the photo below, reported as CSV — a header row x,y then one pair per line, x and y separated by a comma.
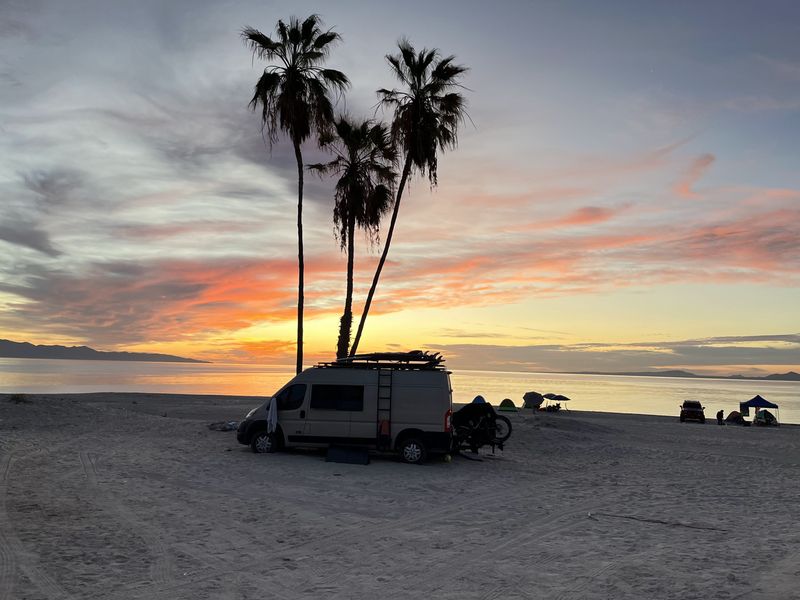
x,y
413,451
264,443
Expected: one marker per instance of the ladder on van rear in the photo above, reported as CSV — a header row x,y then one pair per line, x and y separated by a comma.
x,y
385,409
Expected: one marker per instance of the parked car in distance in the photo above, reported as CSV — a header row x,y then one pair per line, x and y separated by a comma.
x,y
692,410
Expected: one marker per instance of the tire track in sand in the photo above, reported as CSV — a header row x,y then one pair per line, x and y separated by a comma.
x,y
162,567
317,578
349,535
537,529
8,562
579,587
13,555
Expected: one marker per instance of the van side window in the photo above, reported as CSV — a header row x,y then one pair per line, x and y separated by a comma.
x,y
291,398
337,397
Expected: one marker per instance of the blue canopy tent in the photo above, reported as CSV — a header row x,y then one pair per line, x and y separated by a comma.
x,y
756,402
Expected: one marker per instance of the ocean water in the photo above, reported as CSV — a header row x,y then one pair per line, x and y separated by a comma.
x,y
605,393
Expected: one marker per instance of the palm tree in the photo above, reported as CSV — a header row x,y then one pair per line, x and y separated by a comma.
x,y
364,158
427,113
295,98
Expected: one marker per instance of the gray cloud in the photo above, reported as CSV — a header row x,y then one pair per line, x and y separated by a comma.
x,y
112,302
53,187
27,236
16,18
703,355
791,338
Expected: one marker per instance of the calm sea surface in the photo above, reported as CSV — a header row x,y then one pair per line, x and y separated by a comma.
x,y
607,393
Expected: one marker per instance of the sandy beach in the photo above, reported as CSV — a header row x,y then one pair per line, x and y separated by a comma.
x,y
118,496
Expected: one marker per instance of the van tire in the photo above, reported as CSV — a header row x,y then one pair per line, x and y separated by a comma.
x,y
412,451
264,443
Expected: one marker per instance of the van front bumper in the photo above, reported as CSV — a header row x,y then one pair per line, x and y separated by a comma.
x,y
242,434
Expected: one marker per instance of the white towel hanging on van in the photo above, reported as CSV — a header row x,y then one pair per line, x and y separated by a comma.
x,y
272,415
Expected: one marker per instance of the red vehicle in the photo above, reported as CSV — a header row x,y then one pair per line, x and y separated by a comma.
x,y
692,410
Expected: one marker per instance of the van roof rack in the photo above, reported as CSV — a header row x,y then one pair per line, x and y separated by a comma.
x,y
413,360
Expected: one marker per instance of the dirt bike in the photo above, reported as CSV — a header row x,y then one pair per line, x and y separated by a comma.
x,y
478,425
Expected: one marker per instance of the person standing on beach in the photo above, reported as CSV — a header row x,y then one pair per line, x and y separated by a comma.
x,y
719,418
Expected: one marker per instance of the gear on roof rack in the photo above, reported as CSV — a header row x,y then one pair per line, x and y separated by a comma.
x,y
413,360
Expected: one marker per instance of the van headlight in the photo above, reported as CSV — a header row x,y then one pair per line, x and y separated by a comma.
x,y
251,413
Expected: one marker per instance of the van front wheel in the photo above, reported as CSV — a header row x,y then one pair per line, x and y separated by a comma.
x,y
413,451
264,443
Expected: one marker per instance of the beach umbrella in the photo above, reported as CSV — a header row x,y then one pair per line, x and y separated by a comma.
x,y
556,397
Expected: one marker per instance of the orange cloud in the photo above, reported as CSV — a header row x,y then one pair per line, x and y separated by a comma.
x,y
174,300
585,215
697,169
168,300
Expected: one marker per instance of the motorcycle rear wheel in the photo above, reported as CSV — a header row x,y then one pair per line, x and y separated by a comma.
x,y
502,429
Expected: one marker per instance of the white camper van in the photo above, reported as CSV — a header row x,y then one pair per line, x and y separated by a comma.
x,y
389,401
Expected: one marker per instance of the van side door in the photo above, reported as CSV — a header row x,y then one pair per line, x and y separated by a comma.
x,y
328,419
364,418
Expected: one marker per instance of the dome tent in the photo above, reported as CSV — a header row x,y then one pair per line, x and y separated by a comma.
x,y
507,405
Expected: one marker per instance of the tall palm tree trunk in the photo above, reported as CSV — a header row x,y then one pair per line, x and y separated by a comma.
x,y
400,188
300,266
347,317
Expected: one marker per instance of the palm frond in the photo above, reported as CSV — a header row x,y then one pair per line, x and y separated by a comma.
x,y
295,35
309,28
324,39
335,79
407,54
259,44
446,72
283,32
424,60
398,68
311,56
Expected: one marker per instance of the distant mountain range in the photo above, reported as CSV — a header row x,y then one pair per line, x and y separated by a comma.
x,y
790,376
9,349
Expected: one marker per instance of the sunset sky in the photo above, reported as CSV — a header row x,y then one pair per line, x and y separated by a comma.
x,y
627,196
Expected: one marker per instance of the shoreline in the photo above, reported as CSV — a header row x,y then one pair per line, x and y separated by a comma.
x,y
250,401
